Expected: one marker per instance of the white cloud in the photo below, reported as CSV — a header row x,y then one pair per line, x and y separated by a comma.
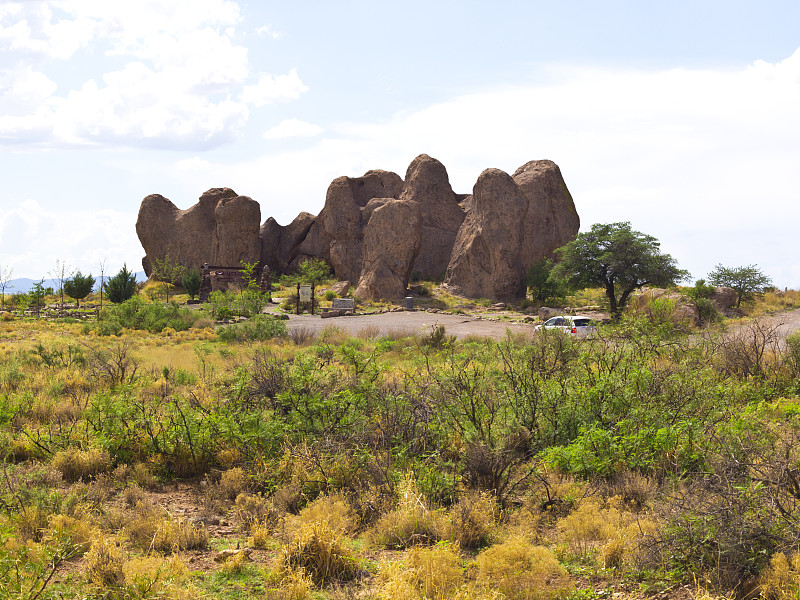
x,y
268,31
270,89
170,75
289,128
34,238
193,165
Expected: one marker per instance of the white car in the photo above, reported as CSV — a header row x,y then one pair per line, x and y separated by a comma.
x,y
573,325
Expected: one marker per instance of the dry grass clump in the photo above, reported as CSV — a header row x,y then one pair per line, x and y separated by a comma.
x,y
289,585
320,553
251,510
472,520
104,563
604,529
75,464
426,573
153,577
233,482
80,532
334,511
31,523
152,530
781,579
411,523
519,570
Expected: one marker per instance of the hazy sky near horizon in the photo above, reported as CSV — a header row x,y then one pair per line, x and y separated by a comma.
x,y
682,117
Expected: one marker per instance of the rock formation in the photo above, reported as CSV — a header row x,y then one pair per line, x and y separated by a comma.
x,y
486,258
376,230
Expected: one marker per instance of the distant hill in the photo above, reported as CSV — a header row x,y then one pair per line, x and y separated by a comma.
x,y
24,284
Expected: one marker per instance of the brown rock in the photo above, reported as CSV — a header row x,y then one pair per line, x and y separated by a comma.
x,y
340,288
186,235
486,256
551,219
235,236
391,243
724,298
427,184
280,245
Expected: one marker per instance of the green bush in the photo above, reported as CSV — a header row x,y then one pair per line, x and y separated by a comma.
x,y
259,328
135,313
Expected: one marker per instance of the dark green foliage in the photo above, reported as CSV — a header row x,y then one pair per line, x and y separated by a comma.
x,y
542,284
36,296
79,286
618,259
135,313
121,286
192,281
227,304
311,270
747,281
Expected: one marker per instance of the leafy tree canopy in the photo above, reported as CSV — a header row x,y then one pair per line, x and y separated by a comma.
x,y
79,286
121,286
617,258
747,281
192,281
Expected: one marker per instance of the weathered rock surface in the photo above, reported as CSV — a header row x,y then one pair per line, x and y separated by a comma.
x,y
428,185
235,238
391,243
724,297
186,235
550,219
486,258
377,229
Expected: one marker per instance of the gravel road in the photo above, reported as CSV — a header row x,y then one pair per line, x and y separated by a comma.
x,y
412,322
461,326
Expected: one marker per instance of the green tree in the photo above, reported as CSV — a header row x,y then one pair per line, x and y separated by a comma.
x,y
747,281
192,281
313,270
79,286
121,286
169,271
617,258
542,285
36,296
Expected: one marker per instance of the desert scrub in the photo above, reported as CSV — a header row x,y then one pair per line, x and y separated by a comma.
x,y
75,464
472,520
334,511
151,530
256,511
424,573
259,328
104,563
519,570
411,523
320,553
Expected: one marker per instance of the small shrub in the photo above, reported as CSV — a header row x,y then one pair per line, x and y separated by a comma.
x,y
411,523
781,579
259,328
253,510
81,464
520,570
334,511
427,573
233,482
151,531
104,563
319,552
472,520
80,532
301,335
438,338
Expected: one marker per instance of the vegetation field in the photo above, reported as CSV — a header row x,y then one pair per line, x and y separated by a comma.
x,y
154,453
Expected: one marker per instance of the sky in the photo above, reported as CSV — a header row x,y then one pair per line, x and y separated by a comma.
x,y
680,117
